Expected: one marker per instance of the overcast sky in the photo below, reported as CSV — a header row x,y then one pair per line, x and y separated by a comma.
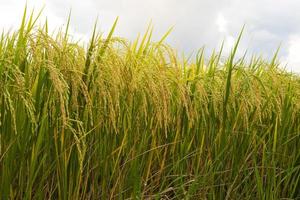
x,y
197,23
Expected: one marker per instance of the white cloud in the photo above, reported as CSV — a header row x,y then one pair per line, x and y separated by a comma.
x,y
229,40
293,55
221,22
11,13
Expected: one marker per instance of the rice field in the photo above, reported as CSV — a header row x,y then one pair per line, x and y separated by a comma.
x,y
120,119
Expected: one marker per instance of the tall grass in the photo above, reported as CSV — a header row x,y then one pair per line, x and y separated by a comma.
x,y
130,120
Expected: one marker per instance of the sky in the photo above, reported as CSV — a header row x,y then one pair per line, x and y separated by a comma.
x,y
197,23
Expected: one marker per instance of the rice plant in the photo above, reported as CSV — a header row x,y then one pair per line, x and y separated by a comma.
x,y
125,119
